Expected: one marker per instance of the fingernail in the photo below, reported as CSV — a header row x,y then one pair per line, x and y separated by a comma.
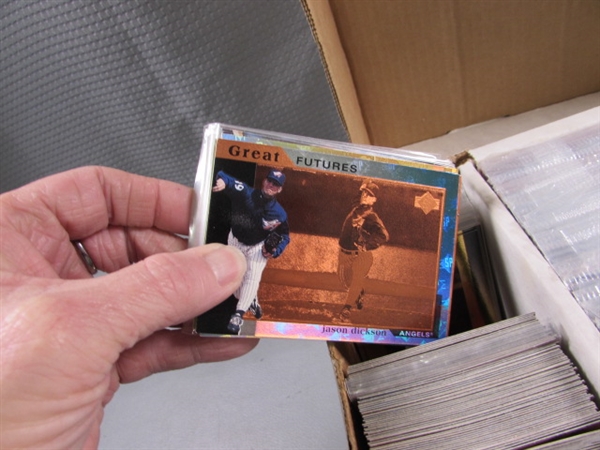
x,y
225,264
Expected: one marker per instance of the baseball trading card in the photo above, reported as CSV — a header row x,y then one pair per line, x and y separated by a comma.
x,y
343,242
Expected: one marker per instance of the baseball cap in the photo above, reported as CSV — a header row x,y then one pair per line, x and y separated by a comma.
x,y
277,176
370,187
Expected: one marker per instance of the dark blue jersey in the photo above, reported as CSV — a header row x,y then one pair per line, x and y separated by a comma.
x,y
363,229
253,215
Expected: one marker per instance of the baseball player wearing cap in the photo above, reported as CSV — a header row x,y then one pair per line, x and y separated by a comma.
x,y
362,232
256,217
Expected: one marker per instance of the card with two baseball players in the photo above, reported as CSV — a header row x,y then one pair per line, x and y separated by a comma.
x,y
343,242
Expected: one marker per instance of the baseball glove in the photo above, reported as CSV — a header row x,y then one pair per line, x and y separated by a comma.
x,y
272,242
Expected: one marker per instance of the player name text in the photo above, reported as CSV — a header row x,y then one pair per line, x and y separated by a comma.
x,y
353,330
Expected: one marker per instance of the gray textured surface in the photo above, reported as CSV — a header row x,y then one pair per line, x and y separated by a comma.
x,y
130,84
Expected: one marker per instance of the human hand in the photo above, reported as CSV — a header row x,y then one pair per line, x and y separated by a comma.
x,y
66,339
219,185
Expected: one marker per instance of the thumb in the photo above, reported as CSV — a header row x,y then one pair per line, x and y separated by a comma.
x,y
166,289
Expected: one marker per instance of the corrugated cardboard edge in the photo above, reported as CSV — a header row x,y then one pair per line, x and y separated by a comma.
x,y
321,21
342,355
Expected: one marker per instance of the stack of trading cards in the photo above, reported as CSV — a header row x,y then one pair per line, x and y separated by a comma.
x,y
343,242
502,386
552,188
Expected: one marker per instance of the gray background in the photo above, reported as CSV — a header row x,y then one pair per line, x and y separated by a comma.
x,y
130,84
282,395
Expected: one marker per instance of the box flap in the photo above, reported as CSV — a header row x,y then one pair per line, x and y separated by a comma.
x,y
421,68
320,18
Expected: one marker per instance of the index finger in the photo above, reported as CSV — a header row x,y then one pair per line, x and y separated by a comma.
x,y
87,200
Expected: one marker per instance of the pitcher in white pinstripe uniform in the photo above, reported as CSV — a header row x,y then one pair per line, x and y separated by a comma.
x,y
255,214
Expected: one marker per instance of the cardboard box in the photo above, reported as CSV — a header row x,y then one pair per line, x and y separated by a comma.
x,y
408,73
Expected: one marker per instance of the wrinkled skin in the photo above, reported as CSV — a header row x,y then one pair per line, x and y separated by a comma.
x,y
68,339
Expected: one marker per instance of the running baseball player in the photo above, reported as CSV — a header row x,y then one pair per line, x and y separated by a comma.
x,y
259,228
362,232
